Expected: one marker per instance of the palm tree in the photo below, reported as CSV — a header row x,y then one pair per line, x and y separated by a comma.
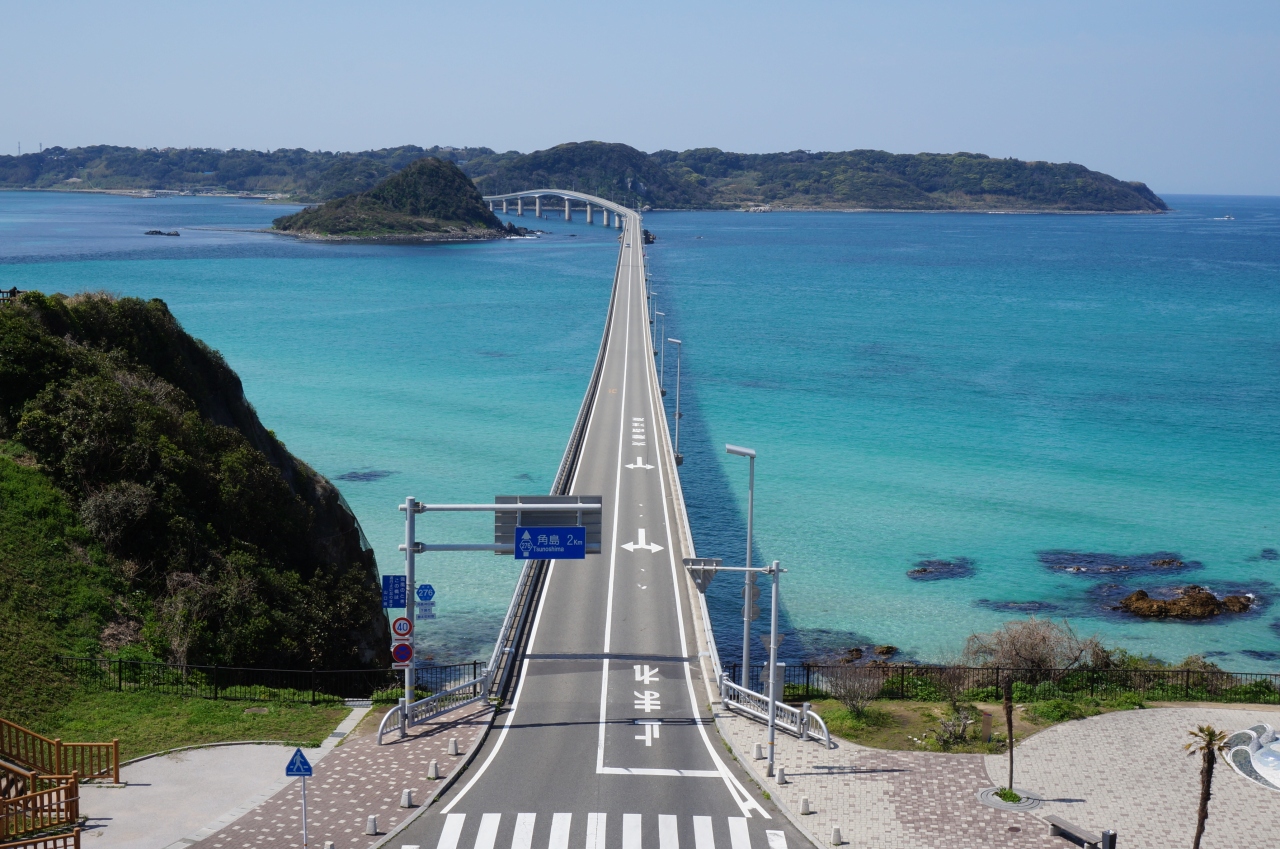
x,y
1208,742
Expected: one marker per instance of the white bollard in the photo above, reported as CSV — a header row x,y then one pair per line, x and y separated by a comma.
x,y
453,746
805,810
371,825
433,771
781,775
328,844
835,836
406,798
759,753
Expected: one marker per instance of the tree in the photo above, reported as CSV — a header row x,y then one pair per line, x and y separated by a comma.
x,y
1031,643
1008,718
1208,742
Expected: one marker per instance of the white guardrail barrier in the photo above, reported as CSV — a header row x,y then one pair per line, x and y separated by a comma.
x,y
801,721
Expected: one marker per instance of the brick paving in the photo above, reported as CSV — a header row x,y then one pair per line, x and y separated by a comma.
x,y
1124,771
1127,771
356,780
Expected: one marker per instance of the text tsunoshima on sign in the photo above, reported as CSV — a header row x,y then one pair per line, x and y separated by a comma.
x,y
566,543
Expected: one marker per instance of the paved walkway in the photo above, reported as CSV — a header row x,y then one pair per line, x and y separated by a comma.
x,y
174,800
1125,771
360,778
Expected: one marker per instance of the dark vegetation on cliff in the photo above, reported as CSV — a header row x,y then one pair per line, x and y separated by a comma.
x,y
145,510
692,179
428,197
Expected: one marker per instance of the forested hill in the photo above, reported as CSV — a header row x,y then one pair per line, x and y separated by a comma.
x,y
706,178
145,510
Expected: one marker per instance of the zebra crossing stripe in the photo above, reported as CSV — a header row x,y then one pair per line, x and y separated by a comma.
x,y
595,830
560,831
703,836
739,837
488,834
630,831
668,832
451,832
523,838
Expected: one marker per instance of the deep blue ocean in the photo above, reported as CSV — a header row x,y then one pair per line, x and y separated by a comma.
x,y
1032,408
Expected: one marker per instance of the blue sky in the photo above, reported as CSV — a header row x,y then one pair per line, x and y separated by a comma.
x,y
1183,96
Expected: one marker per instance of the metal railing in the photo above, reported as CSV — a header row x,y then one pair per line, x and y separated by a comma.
x,y
8,296
972,683
46,756
801,721
402,717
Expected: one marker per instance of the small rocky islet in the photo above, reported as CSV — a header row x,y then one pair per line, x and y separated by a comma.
x,y
1189,602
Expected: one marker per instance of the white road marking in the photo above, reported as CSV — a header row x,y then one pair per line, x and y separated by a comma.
x,y
651,547
638,464
560,831
523,838
646,674
739,836
703,836
487,836
630,831
652,729
668,832
777,839
595,831
451,832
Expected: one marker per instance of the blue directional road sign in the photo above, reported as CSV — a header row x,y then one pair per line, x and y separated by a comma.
x,y
426,592
393,591
298,765
551,543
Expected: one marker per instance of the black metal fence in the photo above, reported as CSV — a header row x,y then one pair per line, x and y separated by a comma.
x,y
940,683
315,686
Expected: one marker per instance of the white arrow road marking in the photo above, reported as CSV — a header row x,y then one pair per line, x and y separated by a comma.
x,y
651,547
638,464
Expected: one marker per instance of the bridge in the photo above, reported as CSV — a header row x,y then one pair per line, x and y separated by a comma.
x,y
608,741
591,205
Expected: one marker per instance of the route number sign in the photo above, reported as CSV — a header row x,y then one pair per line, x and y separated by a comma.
x,y
401,627
426,592
402,653
564,543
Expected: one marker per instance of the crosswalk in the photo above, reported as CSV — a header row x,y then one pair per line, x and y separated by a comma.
x,y
484,831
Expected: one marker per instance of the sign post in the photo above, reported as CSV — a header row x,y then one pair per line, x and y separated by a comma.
x,y
300,767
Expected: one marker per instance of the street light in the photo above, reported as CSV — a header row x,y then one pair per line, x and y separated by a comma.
x,y
679,347
747,577
773,664
662,367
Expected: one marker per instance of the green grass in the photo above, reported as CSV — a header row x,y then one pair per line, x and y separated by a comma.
x,y
1004,794
153,722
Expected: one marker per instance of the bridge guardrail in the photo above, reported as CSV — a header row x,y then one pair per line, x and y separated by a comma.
x,y
801,721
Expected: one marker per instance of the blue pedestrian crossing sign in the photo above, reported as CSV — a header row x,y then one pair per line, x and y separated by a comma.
x,y
426,592
393,591
298,765
567,543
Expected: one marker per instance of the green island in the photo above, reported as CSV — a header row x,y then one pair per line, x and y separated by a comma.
x,y
704,178
430,200
146,514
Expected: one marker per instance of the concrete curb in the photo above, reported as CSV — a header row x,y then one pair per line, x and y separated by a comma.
x,y
444,785
142,758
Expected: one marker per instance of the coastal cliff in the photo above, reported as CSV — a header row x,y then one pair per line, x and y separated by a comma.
x,y
145,509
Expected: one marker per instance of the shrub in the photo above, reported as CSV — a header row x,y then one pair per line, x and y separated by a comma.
x,y
1031,644
1056,710
855,686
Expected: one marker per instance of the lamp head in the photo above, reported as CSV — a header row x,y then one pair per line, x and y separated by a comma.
x,y
674,341
740,451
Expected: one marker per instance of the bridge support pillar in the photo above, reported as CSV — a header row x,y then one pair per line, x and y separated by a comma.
x,y
504,206
617,221
589,218
604,217
491,206
520,207
537,207
567,216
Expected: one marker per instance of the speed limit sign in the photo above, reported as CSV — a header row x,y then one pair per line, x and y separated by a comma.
x,y
402,627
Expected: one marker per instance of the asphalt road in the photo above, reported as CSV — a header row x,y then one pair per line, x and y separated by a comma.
x,y
606,744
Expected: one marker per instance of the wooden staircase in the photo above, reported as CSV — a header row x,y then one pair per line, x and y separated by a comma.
x,y
40,786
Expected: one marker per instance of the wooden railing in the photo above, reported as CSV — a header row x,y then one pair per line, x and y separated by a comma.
x,y
9,295
44,809
70,840
53,757
15,781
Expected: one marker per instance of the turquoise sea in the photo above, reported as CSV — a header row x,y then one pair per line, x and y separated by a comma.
x,y
1035,407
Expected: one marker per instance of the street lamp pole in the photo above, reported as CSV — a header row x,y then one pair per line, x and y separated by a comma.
x,y
773,665
679,347
662,357
748,578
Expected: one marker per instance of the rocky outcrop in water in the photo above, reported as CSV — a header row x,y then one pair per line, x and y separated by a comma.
x,y
1190,602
